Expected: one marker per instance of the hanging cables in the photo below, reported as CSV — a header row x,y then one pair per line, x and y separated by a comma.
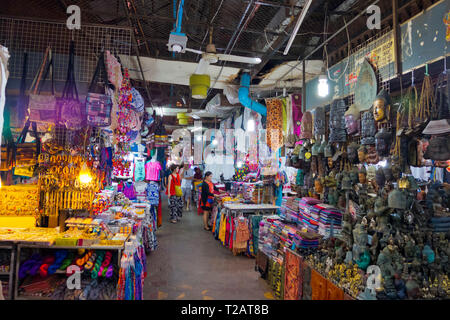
x,y
348,51
208,30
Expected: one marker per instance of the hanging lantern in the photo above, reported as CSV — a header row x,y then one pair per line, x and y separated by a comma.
x,y
199,84
183,119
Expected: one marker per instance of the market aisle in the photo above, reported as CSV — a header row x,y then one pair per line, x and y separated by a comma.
x,y
190,264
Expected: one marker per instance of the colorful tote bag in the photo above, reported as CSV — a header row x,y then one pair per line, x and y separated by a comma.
x,y
43,107
98,105
71,113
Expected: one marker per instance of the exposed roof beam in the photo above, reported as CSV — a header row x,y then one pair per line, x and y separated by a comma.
x,y
274,4
283,38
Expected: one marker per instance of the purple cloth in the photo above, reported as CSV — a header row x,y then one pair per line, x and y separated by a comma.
x,y
128,191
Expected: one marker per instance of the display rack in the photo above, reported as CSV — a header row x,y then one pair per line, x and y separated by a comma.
x,y
119,250
10,273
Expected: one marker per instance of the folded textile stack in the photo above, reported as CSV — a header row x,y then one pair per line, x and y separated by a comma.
x,y
290,209
306,240
330,222
308,218
440,224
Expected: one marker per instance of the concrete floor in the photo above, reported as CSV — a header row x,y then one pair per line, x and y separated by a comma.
x,y
190,264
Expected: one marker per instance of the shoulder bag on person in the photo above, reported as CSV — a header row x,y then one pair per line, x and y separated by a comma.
x,y
178,191
43,107
70,112
98,105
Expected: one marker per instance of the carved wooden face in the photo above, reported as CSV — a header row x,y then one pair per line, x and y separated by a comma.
x,y
362,177
330,162
361,155
351,124
379,110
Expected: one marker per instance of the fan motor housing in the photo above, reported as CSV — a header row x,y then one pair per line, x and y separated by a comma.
x,y
177,39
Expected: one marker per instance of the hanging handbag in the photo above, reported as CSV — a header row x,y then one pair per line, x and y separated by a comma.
x,y
98,105
70,108
43,107
26,153
7,152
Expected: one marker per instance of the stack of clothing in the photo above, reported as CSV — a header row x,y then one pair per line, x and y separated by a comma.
x,y
440,224
248,190
306,240
330,223
308,218
290,209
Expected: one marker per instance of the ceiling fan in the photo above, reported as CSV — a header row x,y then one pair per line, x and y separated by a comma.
x,y
211,56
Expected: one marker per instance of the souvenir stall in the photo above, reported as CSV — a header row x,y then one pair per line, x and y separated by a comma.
x,y
80,187
365,217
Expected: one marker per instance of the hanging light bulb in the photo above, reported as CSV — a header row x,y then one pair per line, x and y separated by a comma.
x,y
323,85
85,176
214,142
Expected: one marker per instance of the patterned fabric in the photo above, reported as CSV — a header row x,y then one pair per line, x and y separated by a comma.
x,y
274,124
176,207
296,101
153,193
137,102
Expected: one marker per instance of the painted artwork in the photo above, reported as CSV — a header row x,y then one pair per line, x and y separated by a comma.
x,y
447,23
292,277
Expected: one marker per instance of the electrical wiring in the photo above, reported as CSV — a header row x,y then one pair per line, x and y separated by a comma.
x,y
348,55
206,33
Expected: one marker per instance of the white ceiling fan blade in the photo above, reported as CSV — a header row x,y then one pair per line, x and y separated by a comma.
x,y
202,67
230,57
194,51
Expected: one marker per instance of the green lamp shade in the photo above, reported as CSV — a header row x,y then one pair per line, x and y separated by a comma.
x,y
183,119
199,84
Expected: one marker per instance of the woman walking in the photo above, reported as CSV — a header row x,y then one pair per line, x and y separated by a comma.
x,y
175,194
207,198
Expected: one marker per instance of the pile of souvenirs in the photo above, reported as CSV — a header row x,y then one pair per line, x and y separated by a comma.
x,y
376,189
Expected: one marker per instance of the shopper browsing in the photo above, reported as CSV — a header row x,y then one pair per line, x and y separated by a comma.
x,y
175,194
207,198
186,185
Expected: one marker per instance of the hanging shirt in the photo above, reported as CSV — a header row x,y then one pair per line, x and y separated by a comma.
x,y
153,193
139,169
152,170
140,188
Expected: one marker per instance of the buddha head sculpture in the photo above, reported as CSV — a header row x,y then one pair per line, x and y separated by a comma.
x,y
368,128
362,153
380,178
362,175
328,152
383,141
352,123
319,121
381,106
352,152
337,121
